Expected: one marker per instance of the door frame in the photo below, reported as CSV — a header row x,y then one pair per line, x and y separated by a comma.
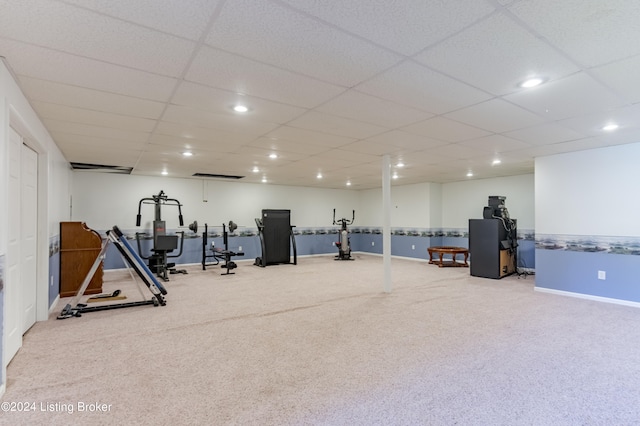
x,y
42,249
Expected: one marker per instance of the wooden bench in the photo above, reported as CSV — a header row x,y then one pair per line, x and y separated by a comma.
x,y
453,251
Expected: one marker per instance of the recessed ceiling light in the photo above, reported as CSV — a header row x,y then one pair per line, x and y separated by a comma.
x,y
264,179
187,154
496,161
255,169
610,127
164,172
395,176
240,108
273,156
319,176
469,174
532,82
348,183
400,164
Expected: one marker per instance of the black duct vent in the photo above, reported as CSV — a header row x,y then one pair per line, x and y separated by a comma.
x,y
88,167
217,176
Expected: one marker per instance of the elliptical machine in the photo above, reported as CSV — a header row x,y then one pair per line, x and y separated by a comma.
x,y
344,245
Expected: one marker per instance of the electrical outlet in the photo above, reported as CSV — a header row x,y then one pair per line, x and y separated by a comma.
x,y
413,247
239,248
602,275
373,243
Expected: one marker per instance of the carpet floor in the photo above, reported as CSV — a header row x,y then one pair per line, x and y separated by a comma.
x,y
320,343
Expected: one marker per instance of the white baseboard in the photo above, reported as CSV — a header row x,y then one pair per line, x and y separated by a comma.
x,y
588,297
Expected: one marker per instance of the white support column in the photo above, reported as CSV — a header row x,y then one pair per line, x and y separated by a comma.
x,y
386,222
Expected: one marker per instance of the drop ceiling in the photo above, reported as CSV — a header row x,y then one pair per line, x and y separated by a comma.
x,y
332,86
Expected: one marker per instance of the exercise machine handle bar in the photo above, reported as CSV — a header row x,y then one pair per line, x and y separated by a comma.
x,y
344,221
159,199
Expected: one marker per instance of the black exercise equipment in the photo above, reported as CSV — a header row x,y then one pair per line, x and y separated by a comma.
x,y
162,243
132,260
276,238
344,245
219,254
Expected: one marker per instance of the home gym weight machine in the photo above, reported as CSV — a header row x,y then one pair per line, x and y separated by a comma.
x,y
344,245
163,244
218,254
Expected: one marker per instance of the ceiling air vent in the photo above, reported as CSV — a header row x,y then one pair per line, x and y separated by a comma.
x,y
88,167
217,176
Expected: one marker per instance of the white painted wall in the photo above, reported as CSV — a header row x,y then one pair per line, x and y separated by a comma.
x,y
451,205
465,200
412,206
103,200
59,191
590,192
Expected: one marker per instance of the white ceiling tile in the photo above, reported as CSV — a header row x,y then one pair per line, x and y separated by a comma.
x,y
457,151
263,153
222,101
406,140
543,134
28,60
622,76
214,144
186,18
495,55
370,109
224,122
202,135
279,145
330,84
406,28
353,157
627,118
495,144
577,145
80,97
242,75
412,84
55,126
593,32
571,96
369,146
273,34
496,116
95,118
81,142
446,130
94,36
304,136
334,125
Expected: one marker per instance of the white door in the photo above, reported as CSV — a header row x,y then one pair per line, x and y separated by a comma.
x,y
21,267
13,297
29,233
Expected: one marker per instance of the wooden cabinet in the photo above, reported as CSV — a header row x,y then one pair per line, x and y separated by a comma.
x,y
79,249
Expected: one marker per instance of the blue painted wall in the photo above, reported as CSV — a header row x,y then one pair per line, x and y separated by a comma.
x,y
571,263
406,243
54,269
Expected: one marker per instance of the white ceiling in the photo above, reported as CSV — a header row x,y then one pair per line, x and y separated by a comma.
x,y
332,85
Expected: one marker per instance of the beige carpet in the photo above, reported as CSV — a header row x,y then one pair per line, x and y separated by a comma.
x,y
320,343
